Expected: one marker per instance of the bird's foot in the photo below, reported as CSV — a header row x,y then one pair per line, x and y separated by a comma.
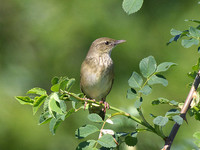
x,y
106,105
86,99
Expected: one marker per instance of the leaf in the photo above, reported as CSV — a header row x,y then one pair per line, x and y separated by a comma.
x,y
24,100
38,91
193,20
194,32
160,101
70,84
175,32
172,112
55,87
135,80
54,80
164,66
132,6
156,79
147,66
178,119
95,118
188,43
53,125
38,102
146,90
196,135
160,121
131,141
87,145
86,130
131,93
138,102
107,141
44,118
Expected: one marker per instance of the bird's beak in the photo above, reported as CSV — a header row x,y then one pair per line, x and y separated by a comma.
x,y
119,41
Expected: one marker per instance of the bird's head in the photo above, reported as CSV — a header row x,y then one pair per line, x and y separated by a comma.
x,y
104,45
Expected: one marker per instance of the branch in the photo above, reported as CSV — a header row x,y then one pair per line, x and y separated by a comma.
x,y
169,140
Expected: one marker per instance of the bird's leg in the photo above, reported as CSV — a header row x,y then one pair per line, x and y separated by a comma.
x,y
106,105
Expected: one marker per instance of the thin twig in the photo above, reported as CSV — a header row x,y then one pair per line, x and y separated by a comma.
x,y
186,106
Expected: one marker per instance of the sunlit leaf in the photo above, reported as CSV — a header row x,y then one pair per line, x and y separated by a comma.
x,y
146,90
164,66
38,102
95,118
53,125
70,84
38,91
147,66
107,141
131,93
160,121
188,43
194,32
25,100
178,119
86,130
175,32
155,79
132,6
44,118
135,80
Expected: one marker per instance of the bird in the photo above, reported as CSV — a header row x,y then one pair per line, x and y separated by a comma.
x,y
97,73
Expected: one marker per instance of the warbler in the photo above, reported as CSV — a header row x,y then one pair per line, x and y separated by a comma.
x,y
97,73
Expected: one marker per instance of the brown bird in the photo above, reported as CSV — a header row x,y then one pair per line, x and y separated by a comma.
x,y
97,73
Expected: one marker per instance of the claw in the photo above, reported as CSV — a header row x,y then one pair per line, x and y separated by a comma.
x,y
106,105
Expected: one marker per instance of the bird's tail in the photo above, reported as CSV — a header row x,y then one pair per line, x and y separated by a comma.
x,y
98,110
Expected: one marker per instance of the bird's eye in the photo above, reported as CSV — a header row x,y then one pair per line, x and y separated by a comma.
x,y
106,42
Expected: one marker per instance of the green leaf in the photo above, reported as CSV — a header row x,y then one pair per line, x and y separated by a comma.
x,y
172,112
194,32
178,119
55,87
160,121
87,145
44,118
131,141
107,141
131,93
135,80
157,79
188,43
138,102
95,118
86,130
146,90
132,6
53,104
38,91
175,32
164,66
70,84
54,80
193,20
63,106
53,125
147,66
25,100
196,135
38,102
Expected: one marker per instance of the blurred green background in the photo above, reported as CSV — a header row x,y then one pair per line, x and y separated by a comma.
x,y
42,39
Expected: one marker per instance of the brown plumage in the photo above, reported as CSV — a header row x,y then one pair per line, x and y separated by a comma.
x,y
97,72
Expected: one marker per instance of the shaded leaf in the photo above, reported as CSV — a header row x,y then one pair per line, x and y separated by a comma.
x,y
131,93
38,91
87,145
146,90
44,118
188,43
160,121
131,141
132,6
164,66
25,100
107,141
147,66
135,80
53,125
86,130
54,80
155,79
95,118
197,135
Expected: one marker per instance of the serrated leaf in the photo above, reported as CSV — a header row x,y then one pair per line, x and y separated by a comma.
x,y
131,141
188,43
175,32
135,80
53,125
131,93
146,90
87,145
160,121
155,79
95,118
86,130
38,102
107,141
138,102
70,84
178,119
38,91
194,32
147,66
25,100
132,6
164,66
44,118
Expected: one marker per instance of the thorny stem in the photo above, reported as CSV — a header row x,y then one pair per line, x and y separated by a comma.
x,y
119,112
169,140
